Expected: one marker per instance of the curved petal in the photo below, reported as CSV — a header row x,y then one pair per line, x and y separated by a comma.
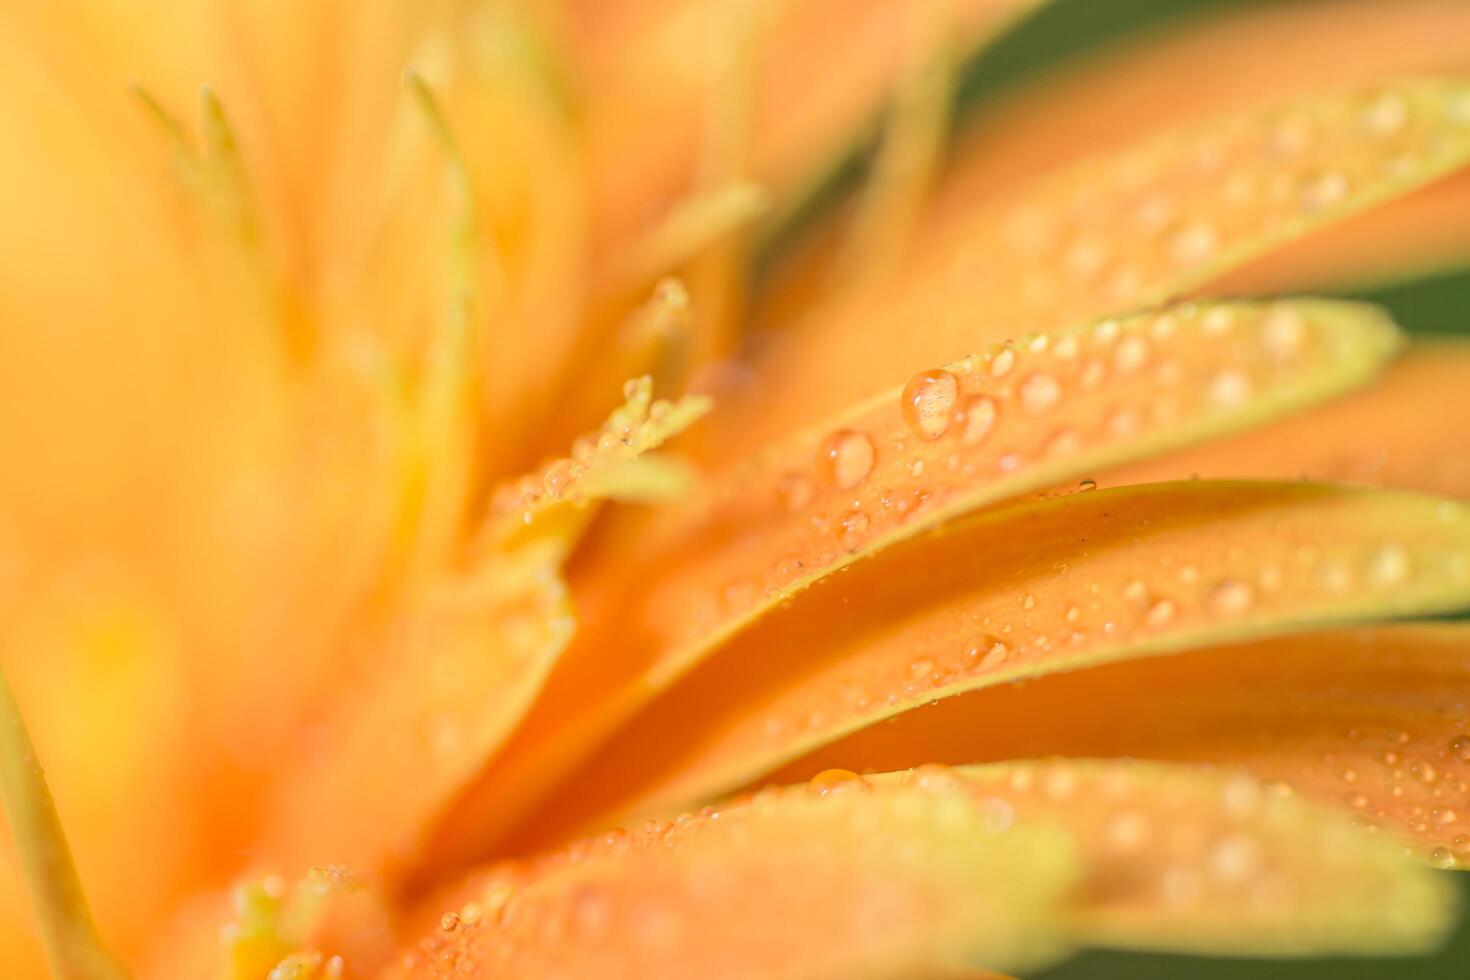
x,y
1216,61
1178,859
1371,720
900,873
1023,592
1396,433
829,881
982,430
1126,229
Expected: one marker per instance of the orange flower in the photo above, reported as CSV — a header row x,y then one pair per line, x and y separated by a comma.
x,y
325,688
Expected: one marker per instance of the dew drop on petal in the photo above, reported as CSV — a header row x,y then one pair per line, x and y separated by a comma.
x,y
1002,362
1160,612
928,401
830,781
1231,597
977,417
847,456
1131,355
1229,388
1039,393
984,652
1388,565
1193,243
795,491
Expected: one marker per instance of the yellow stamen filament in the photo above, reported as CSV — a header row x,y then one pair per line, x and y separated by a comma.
x,y
691,228
912,143
72,944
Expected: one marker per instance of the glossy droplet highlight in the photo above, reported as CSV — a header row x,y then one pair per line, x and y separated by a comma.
x,y
928,402
1039,393
976,418
1231,597
830,781
984,652
847,456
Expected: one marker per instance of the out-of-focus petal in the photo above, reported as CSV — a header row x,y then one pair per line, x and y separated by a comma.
x,y
984,429
1397,433
1218,61
835,880
1174,858
1372,720
1104,853
820,71
1129,228
1026,591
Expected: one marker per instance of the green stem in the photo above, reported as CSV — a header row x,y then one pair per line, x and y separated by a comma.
x,y
72,944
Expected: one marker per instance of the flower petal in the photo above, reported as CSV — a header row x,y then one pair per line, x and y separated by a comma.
x,y
1156,219
1026,591
835,880
1220,59
1396,434
1371,720
458,671
1014,419
1178,859
900,873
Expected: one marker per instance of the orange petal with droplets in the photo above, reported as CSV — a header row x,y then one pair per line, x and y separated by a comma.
x,y
921,872
831,880
1127,229
1397,433
990,427
1373,720
1026,591
1222,61
1178,859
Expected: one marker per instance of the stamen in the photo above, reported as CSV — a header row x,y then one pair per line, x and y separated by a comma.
x,y
72,945
447,407
692,227
913,140
218,180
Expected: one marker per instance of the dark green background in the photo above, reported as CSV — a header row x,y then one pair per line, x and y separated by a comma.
x,y
1438,305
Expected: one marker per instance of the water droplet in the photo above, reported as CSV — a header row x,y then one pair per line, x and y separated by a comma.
x,y
1283,333
928,399
1160,612
1028,601
1460,747
1442,858
1238,858
1229,388
830,781
559,477
795,490
854,527
449,921
1128,830
1131,354
1193,243
921,669
976,418
848,458
984,652
1086,485
1388,565
1002,362
1322,190
1039,393
1231,597
1386,114
1356,800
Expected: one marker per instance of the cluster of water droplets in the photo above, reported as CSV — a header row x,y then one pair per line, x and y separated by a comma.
x,y
1115,233
1405,781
